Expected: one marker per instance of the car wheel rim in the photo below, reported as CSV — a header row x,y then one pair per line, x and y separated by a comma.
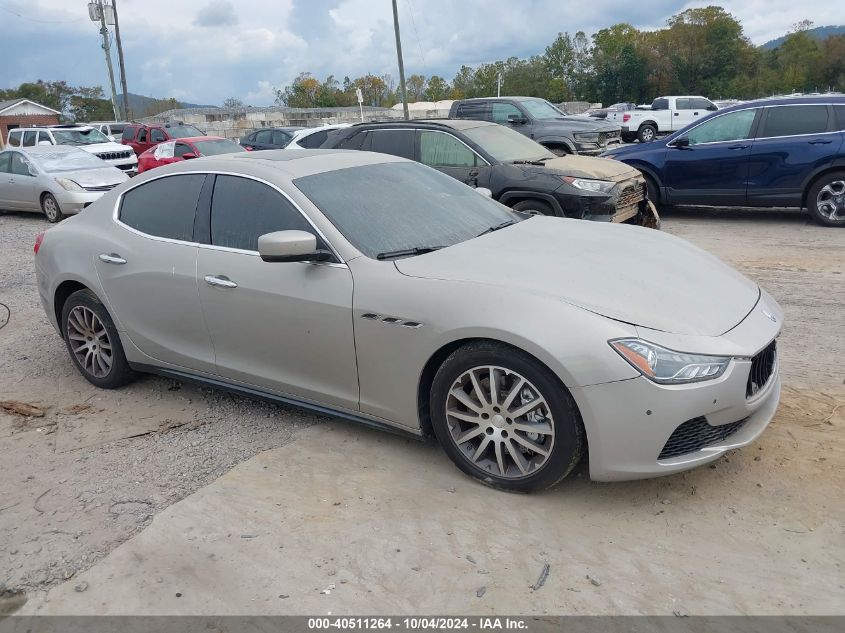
x,y
50,208
500,422
89,341
648,134
831,201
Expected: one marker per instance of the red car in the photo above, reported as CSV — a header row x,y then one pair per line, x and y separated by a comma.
x,y
184,149
141,137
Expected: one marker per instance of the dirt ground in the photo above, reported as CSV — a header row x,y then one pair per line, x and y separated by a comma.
x,y
761,531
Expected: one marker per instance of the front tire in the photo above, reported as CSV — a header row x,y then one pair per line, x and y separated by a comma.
x,y
826,199
534,207
93,342
50,207
559,151
504,418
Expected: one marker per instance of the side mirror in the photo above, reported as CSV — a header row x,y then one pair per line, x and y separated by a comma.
x,y
189,155
681,143
290,246
516,119
484,191
712,107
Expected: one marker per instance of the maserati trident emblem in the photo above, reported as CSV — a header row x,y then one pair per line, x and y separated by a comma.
x,y
771,317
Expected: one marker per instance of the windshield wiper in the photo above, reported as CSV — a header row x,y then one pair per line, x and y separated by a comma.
x,y
497,227
416,250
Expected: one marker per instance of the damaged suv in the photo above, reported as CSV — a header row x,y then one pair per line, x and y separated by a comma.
x,y
519,172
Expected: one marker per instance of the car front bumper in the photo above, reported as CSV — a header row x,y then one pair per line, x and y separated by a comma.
x,y
72,202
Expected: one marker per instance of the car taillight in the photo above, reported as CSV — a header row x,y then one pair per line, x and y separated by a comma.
x,y
38,239
626,118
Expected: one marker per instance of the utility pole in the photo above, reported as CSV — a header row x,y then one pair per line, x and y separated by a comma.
x,y
499,85
401,64
97,12
127,115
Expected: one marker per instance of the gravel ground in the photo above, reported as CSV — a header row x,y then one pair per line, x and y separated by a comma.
x,y
99,465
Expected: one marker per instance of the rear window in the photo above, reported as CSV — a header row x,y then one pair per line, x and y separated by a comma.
x,y
15,138
794,120
840,116
164,207
394,142
314,140
474,110
660,104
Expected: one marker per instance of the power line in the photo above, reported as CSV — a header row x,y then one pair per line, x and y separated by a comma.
x,y
416,34
26,17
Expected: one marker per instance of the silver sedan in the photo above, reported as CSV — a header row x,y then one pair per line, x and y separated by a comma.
x,y
381,291
56,180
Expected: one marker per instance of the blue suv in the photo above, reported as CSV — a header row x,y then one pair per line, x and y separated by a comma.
x,y
767,153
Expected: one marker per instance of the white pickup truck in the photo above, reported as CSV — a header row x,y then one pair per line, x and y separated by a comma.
x,y
665,115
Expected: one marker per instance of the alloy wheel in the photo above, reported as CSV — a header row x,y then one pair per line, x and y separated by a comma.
x,y
500,422
830,201
89,341
51,209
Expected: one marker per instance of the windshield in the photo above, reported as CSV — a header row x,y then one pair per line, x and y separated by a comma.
x,y
542,109
213,148
505,144
183,131
80,137
396,206
67,161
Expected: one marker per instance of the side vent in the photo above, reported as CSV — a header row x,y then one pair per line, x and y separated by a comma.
x,y
389,320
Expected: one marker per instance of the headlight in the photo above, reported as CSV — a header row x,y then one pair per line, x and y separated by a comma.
x,y
68,184
667,366
596,186
586,136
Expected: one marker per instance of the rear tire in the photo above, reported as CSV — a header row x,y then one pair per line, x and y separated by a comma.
x,y
534,207
826,199
93,342
50,207
628,137
647,133
487,436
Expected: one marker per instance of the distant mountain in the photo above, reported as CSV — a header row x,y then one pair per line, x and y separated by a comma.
x,y
819,33
139,103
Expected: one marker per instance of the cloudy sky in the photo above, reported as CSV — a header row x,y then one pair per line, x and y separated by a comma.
x,y
204,51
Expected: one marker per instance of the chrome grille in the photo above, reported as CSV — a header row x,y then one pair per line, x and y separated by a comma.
x,y
114,155
605,137
101,188
695,434
762,367
631,195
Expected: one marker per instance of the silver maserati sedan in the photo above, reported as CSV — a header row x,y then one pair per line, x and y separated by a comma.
x,y
57,180
376,289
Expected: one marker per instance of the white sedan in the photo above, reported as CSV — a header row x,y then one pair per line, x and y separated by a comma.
x,y
313,137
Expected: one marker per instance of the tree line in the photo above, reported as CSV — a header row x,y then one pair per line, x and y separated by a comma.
x,y
699,51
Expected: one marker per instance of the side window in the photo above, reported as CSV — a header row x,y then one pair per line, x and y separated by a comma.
x,y
728,127
314,140
792,120
478,111
264,136
395,142
280,138
157,136
236,225
15,138
5,162
128,133
660,104
501,112
29,138
45,136
353,142
142,135
701,104
840,116
438,149
182,149
164,207
19,167
683,104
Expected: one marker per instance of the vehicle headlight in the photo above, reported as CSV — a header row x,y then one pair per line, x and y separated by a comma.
x,y
68,184
667,366
596,186
586,136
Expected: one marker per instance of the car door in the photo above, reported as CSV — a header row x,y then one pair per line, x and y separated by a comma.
x,y
713,168
682,114
793,143
157,136
447,153
508,114
147,267
21,190
283,327
280,139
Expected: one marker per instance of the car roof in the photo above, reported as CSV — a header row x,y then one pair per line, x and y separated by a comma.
x,y
193,139
280,129
804,100
57,126
455,124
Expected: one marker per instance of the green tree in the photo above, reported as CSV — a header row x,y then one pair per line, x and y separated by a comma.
x,y
437,89
233,102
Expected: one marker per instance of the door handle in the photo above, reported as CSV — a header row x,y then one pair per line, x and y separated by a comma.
x,y
819,141
112,258
695,113
677,114
220,281
738,147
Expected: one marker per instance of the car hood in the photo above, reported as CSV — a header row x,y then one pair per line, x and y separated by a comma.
x,y
588,167
639,276
96,148
98,177
575,123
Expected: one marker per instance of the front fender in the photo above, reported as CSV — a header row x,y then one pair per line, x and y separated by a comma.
x,y
557,140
